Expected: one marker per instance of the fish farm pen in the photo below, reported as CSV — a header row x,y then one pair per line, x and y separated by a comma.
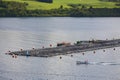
x,y
67,48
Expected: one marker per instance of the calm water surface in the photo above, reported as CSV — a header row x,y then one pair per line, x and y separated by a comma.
x,y
26,33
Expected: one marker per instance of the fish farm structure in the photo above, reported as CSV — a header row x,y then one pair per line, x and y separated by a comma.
x,y
68,48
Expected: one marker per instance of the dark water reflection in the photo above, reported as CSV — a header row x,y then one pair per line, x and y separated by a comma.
x,y
25,33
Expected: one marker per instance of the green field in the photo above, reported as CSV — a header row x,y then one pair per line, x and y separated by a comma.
x,y
33,4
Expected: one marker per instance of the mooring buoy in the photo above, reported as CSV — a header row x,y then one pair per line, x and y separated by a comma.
x,y
94,52
60,57
50,45
103,50
114,49
21,49
9,51
15,56
33,48
83,53
71,55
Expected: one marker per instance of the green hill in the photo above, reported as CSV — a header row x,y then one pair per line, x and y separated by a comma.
x,y
73,8
34,4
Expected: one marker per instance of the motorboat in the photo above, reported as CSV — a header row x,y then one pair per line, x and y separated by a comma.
x,y
81,62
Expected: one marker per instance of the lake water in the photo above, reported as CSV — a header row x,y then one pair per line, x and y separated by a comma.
x,y
26,33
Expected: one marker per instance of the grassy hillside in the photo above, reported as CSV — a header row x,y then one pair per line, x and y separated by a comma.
x,y
34,4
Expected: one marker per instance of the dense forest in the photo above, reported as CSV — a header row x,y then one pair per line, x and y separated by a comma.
x,y
16,9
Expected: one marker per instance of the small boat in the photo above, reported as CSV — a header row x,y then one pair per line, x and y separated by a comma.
x,y
81,62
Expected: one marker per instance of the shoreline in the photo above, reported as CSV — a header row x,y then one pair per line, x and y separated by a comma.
x,y
67,12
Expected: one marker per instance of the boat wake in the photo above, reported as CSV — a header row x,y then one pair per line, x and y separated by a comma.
x,y
96,63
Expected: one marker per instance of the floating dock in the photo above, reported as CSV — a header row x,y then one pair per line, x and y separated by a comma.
x,y
79,46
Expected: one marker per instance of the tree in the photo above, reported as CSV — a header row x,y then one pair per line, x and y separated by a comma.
x,y
0,2
61,7
90,8
83,7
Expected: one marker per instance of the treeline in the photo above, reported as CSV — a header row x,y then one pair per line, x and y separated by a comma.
x,y
94,12
13,5
11,8
19,10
